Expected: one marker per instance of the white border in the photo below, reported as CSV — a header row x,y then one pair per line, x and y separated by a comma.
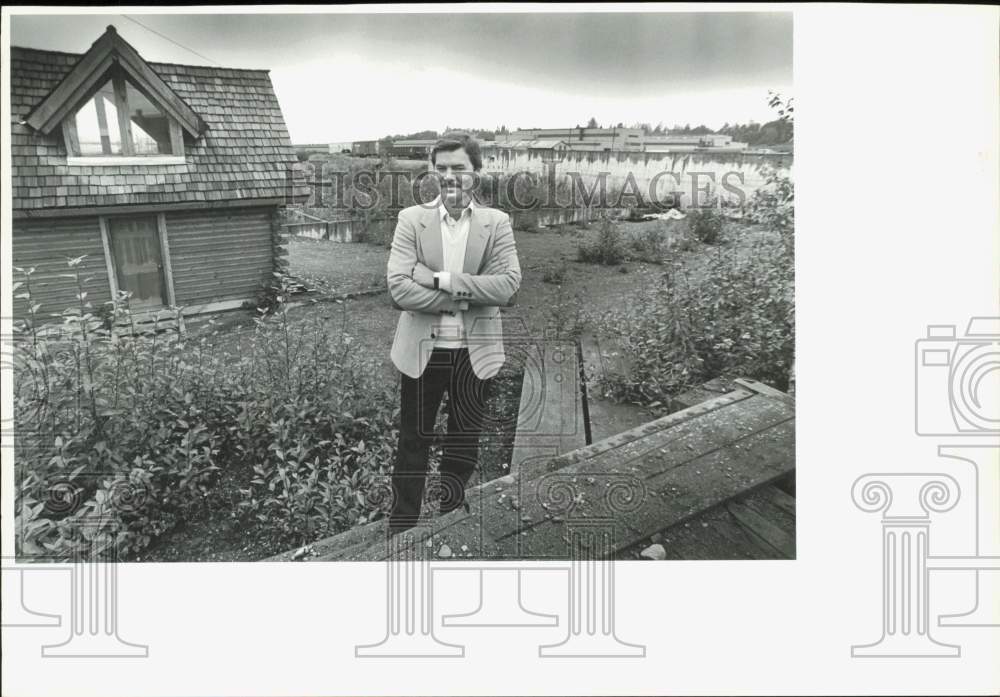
x,y
897,228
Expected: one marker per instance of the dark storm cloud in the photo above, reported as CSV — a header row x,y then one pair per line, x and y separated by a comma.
x,y
618,53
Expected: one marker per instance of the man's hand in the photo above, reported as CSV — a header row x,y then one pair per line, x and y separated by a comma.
x,y
423,276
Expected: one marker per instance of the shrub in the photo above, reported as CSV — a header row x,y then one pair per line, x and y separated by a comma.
x,y
706,224
606,248
555,273
736,319
318,433
650,242
773,205
121,435
526,221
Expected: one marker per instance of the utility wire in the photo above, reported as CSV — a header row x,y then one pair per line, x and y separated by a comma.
x,y
175,43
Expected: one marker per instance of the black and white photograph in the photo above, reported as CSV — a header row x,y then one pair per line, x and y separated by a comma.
x,y
489,349
263,321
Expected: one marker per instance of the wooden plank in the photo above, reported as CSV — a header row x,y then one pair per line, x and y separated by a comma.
x,y
763,389
779,498
685,491
649,457
202,261
752,445
190,251
161,93
763,528
168,272
123,161
124,113
45,246
672,498
216,306
102,124
550,412
712,535
759,502
108,258
176,138
224,204
70,138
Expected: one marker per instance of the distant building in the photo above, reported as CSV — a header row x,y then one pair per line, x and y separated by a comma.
x,y
311,148
413,148
365,148
533,144
342,148
687,142
586,139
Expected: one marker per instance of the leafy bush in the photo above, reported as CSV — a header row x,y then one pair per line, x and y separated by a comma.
x,y
773,205
706,224
526,221
555,273
608,247
122,432
318,433
270,296
736,319
650,242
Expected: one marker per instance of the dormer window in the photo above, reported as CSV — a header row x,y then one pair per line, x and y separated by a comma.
x,y
121,121
113,109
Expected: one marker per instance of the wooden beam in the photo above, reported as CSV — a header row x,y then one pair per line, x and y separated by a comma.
x,y
124,113
70,137
122,160
168,272
108,258
102,123
176,138
763,528
164,96
43,213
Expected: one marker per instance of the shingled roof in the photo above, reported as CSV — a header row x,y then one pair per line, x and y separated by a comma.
x,y
243,155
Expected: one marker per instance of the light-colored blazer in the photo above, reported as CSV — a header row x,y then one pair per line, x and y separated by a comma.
x,y
490,279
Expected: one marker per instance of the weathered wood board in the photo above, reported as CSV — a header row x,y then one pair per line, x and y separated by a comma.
x,y
629,486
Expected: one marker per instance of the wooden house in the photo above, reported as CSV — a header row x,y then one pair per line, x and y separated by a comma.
x,y
167,177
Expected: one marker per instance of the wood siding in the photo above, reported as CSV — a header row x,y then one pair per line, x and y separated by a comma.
x,y
46,245
219,254
215,255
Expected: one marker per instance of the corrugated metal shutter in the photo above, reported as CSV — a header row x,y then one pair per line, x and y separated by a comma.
x,y
219,255
46,245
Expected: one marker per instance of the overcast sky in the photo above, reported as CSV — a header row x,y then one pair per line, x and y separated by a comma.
x,y
358,76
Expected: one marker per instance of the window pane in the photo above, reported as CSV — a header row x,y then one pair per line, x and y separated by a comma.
x,y
150,126
97,124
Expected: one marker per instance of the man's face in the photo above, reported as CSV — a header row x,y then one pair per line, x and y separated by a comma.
x,y
455,176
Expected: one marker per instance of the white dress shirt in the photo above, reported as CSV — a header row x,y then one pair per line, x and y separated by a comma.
x,y
450,329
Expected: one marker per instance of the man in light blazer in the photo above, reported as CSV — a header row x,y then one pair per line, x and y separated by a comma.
x,y
452,266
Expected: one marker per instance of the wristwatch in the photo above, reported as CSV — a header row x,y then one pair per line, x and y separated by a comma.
x,y
437,280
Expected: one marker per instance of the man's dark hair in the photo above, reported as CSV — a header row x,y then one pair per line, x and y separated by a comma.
x,y
454,140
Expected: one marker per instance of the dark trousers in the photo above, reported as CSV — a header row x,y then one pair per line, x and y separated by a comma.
x,y
447,370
